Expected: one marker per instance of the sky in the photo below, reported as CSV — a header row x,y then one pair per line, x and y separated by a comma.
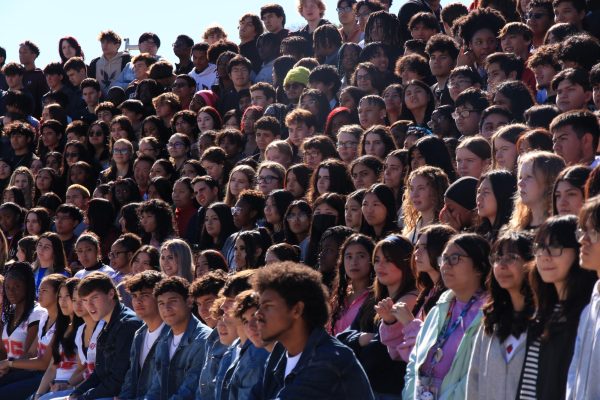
x,y
51,20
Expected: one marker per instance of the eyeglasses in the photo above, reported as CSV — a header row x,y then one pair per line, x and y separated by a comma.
x,y
593,235
121,152
505,259
540,250
71,155
463,113
299,216
451,260
175,145
267,179
347,145
312,154
533,15
96,133
342,10
115,254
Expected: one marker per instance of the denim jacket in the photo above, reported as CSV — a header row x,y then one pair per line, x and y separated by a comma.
x,y
214,354
112,355
177,378
137,381
244,372
228,358
326,370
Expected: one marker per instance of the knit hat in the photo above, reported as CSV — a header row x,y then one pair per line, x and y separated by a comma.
x,y
464,192
209,97
297,75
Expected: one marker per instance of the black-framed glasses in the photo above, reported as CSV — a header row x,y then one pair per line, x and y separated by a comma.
x,y
451,259
540,249
267,179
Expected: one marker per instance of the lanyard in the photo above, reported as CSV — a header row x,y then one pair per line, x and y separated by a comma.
x,y
447,331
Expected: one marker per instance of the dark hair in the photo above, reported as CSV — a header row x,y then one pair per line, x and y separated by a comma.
x,y
520,97
508,62
223,212
499,317
129,214
384,134
560,231
540,115
304,207
64,341
73,212
537,139
407,114
479,19
303,174
582,49
152,252
398,250
285,252
43,217
211,283
389,23
581,121
435,153
59,264
254,240
326,74
478,250
274,9
23,272
237,283
174,284
164,219
164,187
504,187
576,176
296,283
438,236
575,76
385,195
101,216
143,280
452,12
442,43
339,179
216,261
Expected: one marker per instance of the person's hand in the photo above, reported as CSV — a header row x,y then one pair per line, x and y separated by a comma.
x,y
465,57
4,367
59,387
401,312
449,218
365,338
384,310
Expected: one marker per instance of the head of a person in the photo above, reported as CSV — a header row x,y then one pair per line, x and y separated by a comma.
x,y
98,294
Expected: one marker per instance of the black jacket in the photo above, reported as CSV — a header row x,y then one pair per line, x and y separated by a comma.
x,y
112,355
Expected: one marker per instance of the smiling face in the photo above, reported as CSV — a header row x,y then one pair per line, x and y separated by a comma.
x,y
173,309
168,262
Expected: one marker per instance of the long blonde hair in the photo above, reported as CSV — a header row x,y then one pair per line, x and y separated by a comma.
x,y
28,194
545,166
438,182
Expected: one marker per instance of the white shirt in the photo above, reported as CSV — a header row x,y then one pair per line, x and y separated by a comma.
x,y
15,342
174,344
88,359
149,340
291,363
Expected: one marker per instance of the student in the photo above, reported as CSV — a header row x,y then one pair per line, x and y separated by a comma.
x,y
459,204
107,68
293,311
569,11
176,259
561,289
533,203
499,346
504,147
516,38
267,45
500,67
182,48
262,94
469,107
473,157
371,111
544,63
575,135
568,191
301,124
33,77
238,70
326,44
439,361
204,73
443,53
23,374
326,79
494,200
295,81
50,257
142,368
581,383
423,25
89,256
100,299
539,17
573,89
66,219
423,199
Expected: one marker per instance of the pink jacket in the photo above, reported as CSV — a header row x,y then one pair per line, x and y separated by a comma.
x,y
400,339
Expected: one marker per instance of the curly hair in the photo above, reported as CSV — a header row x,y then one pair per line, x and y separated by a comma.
x,y
164,219
437,181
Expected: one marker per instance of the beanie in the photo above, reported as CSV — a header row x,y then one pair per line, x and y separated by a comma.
x,y
209,97
297,75
464,192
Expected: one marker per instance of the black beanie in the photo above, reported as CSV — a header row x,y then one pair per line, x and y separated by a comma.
x,y
464,192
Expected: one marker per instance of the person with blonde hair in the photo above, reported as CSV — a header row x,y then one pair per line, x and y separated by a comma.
x,y
22,178
176,259
537,172
279,151
242,177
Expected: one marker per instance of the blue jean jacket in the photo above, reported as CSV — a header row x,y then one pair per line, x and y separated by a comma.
x,y
214,354
228,358
177,378
326,370
245,372
137,380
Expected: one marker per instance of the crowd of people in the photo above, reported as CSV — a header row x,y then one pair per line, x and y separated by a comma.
x,y
381,207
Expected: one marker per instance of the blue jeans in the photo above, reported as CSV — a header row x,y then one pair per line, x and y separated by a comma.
x,y
20,383
56,395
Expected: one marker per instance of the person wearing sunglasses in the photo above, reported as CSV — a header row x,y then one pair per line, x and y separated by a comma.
x,y
582,382
539,17
438,363
562,288
499,347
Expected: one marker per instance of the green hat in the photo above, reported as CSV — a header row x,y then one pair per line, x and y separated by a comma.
x,y
297,75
